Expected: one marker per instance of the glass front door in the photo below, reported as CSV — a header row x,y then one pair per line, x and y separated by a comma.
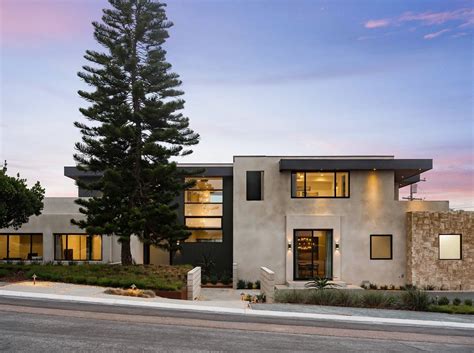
x,y
313,254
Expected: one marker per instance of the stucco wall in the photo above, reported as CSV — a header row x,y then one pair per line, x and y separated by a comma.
x,y
262,229
423,264
56,219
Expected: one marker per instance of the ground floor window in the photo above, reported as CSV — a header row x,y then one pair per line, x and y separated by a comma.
x,y
77,247
381,247
313,254
21,247
450,247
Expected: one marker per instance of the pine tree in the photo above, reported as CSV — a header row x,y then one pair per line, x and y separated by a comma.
x,y
136,127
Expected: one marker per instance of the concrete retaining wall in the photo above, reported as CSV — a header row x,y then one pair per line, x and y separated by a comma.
x,y
194,283
234,275
267,283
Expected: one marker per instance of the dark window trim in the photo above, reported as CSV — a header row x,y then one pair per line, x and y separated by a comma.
x,y
90,252
460,247
312,230
31,243
391,247
205,203
321,197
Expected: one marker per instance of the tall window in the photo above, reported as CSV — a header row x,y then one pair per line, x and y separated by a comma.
x,y
203,209
21,246
77,247
319,184
450,247
254,185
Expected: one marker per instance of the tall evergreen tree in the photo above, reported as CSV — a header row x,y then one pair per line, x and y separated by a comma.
x,y
136,128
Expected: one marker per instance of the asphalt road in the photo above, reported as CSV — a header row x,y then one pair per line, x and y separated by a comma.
x,y
40,326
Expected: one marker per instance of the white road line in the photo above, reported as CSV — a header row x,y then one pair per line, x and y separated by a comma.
x,y
223,310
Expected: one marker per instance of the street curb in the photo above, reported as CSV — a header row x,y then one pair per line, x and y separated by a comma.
x,y
250,312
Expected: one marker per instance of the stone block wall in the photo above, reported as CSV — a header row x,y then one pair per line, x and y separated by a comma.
x,y
267,283
423,264
194,283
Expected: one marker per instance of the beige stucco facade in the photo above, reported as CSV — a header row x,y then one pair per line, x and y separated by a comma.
x,y
263,229
424,266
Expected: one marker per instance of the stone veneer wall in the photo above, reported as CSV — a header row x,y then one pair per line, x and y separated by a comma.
x,y
423,264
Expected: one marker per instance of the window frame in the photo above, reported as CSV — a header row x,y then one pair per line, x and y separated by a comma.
x,y
90,252
391,247
31,244
460,247
204,203
292,192
262,175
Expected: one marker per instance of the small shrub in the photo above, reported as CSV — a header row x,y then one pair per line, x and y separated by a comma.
x,y
443,301
468,302
249,285
428,287
225,279
377,300
320,283
204,280
415,299
240,284
456,301
372,286
4,272
213,279
392,287
257,284
384,287
289,296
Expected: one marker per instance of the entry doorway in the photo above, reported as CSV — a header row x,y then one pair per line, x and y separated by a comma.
x,y
312,253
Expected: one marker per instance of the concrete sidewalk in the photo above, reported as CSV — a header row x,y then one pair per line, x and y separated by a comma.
x,y
227,301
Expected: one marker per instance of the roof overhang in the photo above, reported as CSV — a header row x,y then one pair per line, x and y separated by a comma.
x,y
406,170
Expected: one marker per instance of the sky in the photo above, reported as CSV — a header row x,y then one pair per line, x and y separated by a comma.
x,y
262,77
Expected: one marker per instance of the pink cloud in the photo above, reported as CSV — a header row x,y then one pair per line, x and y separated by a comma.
x,y
429,18
32,21
377,23
436,34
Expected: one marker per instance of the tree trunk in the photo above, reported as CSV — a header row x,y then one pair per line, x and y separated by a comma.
x,y
171,257
126,253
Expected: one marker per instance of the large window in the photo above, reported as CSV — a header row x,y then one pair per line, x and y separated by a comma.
x,y
450,247
77,247
203,209
381,247
21,246
319,184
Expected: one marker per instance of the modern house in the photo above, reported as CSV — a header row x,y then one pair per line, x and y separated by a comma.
x,y
302,217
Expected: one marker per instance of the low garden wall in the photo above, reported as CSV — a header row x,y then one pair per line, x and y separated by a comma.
x,y
194,283
267,283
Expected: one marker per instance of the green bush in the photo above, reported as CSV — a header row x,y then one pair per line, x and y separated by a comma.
x,y
378,300
4,272
240,284
225,279
415,299
443,301
468,302
204,280
372,286
213,279
456,301
249,285
289,296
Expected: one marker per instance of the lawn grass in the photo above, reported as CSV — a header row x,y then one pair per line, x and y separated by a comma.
x,y
453,309
154,277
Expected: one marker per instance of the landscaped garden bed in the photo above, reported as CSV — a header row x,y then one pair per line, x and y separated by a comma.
x,y
169,281
411,299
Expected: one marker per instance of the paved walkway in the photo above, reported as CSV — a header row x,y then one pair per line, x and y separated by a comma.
x,y
228,301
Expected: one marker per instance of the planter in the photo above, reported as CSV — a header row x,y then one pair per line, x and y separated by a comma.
x,y
183,294
217,285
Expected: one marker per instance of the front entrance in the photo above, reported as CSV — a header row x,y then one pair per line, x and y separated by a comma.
x,y
312,254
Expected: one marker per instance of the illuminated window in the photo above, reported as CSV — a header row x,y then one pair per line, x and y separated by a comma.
x,y
380,247
21,247
320,184
78,247
450,247
203,209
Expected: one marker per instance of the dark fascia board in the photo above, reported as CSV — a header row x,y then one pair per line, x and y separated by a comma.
x,y
408,181
74,173
404,168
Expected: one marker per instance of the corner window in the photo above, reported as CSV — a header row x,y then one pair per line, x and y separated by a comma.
x,y
254,185
450,247
77,247
21,247
203,209
320,184
381,247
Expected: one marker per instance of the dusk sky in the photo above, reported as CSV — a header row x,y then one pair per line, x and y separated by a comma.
x,y
263,77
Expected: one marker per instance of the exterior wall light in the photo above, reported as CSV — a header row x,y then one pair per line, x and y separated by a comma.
x,y
337,246
177,243
289,244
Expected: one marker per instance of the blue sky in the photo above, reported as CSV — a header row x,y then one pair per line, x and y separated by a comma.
x,y
263,77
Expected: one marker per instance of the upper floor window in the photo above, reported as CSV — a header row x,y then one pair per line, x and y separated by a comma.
x,y
319,184
254,185
203,209
450,247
